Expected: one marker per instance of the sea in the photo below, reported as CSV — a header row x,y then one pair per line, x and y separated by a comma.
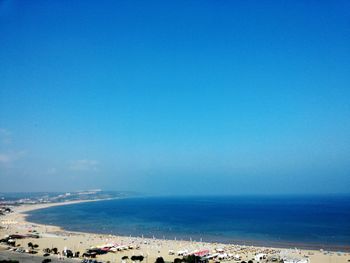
x,y
315,222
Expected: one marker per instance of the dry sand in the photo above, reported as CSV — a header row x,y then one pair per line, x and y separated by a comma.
x,y
52,236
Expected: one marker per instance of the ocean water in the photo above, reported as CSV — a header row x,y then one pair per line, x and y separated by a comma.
x,y
308,222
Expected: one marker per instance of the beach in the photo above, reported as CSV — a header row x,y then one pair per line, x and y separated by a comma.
x,y
150,248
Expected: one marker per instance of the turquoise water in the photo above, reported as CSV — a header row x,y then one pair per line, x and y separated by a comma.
x,y
314,221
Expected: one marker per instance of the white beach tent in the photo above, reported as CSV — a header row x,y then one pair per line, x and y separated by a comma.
x,y
259,257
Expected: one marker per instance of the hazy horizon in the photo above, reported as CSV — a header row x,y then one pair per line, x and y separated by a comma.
x,y
175,97
187,195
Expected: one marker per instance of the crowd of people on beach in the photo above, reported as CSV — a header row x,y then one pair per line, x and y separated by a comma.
x,y
188,252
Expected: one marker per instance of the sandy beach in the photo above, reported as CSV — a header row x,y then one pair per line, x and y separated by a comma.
x,y
53,236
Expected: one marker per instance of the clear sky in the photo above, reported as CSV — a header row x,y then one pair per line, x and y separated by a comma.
x,y
175,97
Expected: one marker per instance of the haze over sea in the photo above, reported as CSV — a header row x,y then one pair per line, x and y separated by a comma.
x,y
303,221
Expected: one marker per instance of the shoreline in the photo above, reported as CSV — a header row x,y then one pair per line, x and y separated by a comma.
x,y
242,242
21,212
82,240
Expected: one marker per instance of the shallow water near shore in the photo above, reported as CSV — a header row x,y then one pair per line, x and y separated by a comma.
x,y
307,222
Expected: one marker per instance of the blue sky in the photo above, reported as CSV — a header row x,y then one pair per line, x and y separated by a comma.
x,y
219,97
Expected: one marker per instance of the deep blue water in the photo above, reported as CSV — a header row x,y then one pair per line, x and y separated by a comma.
x,y
314,221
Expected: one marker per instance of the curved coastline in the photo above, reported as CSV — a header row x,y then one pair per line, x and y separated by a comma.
x,y
244,242
31,208
55,236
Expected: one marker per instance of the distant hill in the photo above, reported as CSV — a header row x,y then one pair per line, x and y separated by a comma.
x,y
51,197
